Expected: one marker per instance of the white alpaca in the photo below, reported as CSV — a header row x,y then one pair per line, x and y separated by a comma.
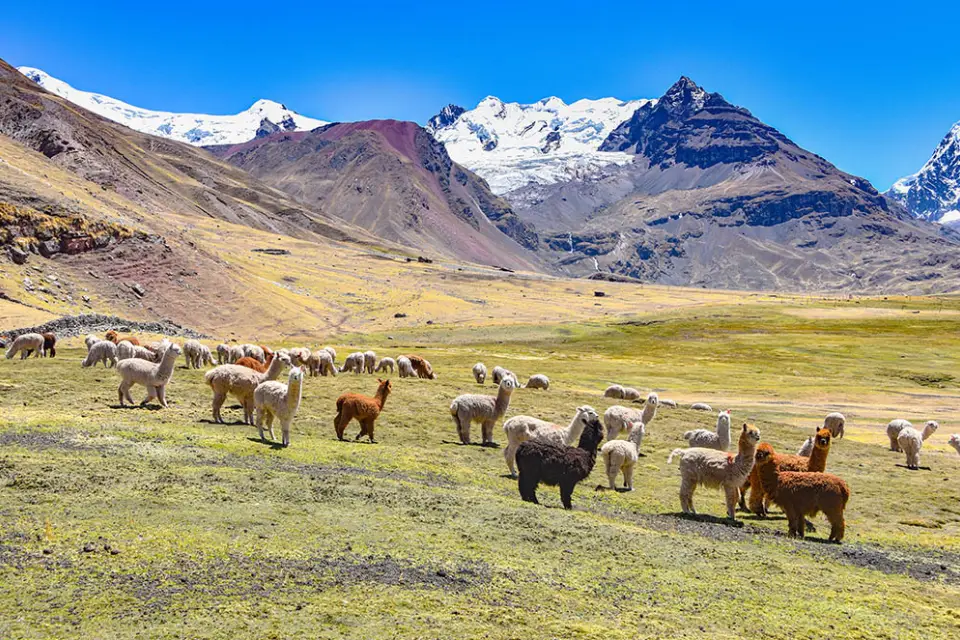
x,y
708,439
712,468
90,340
369,361
472,407
480,372
24,344
241,382
275,399
103,351
499,373
154,376
538,381
894,427
617,418
835,422
405,367
354,363
385,365
911,442
519,429
223,353
629,393
954,441
701,406
124,350
614,391
621,456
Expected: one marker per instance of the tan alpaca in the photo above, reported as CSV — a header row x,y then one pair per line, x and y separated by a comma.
x,y
712,468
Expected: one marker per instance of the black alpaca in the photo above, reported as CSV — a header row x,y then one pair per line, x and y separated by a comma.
x,y
556,464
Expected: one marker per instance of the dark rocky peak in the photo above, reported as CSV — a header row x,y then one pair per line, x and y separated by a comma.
x,y
267,128
447,116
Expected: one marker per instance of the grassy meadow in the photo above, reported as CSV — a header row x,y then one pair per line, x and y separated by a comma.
x,y
147,522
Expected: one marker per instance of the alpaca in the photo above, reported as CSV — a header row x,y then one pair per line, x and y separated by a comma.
x,y
893,431
240,382
538,381
712,468
155,377
113,337
629,393
710,440
25,344
353,363
480,372
499,373
49,345
385,365
954,441
473,407
835,422
555,464
423,368
911,442
90,340
622,455
275,399
223,353
759,500
701,406
519,429
364,408
369,361
404,368
103,351
803,493
614,391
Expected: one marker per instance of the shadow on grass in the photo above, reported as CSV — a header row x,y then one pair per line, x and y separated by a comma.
x,y
701,517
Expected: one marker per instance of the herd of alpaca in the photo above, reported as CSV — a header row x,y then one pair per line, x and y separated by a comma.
x,y
537,451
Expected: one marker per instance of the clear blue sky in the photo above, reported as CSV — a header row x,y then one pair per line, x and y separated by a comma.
x,y
869,86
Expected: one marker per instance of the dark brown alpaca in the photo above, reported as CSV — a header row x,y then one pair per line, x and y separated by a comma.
x,y
422,367
49,345
253,363
803,493
787,462
117,339
364,408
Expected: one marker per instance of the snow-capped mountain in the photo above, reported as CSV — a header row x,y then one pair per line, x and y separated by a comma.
x,y
193,128
933,193
512,145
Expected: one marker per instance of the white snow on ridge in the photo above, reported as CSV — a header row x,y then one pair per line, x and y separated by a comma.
x,y
511,144
193,128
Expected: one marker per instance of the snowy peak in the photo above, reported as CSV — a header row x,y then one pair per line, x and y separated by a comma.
x,y
512,144
933,193
192,128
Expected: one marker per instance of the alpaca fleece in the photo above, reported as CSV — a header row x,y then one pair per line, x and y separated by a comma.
x,y
240,382
25,344
519,429
712,468
386,365
422,367
474,407
364,408
622,455
803,494
911,442
275,399
154,377
710,440
555,464
480,372
785,462
103,351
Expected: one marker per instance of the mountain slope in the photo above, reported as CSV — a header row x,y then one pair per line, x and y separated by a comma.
x,y
394,179
192,128
933,193
511,144
715,197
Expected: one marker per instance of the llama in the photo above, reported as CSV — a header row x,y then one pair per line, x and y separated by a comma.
x,y
802,493
154,376
49,345
275,399
954,441
615,391
474,407
364,408
622,456
385,365
25,344
911,442
404,368
835,422
240,382
353,363
369,361
555,464
817,462
423,368
538,381
519,429
712,468
499,373
103,351
480,372
710,440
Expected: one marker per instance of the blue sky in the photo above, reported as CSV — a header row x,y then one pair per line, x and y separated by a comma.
x,y
871,86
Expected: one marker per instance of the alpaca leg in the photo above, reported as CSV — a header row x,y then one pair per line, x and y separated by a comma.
x,y
733,492
687,487
566,493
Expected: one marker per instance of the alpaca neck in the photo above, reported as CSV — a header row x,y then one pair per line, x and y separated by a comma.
x,y
818,458
503,401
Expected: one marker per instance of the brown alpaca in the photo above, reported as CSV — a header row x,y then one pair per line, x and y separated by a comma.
x,y
759,501
422,367
364,408
803,493
117,339
253,363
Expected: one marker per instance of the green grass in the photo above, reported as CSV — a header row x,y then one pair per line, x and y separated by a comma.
x,y
222,536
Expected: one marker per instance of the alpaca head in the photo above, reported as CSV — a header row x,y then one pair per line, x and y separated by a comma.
x,y
637,431
930,428
764,453
749,436
822,439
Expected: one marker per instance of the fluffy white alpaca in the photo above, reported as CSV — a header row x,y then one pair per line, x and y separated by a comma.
x,y
538,381
480,372
894,427
369,361
712,468
719,440
275,399
102,351
835,422
153,376
519,429
24,344
241,382
621,456
405,367
954,441
473,407
614,391
90,340
701,406
385,365
354,363
911,442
